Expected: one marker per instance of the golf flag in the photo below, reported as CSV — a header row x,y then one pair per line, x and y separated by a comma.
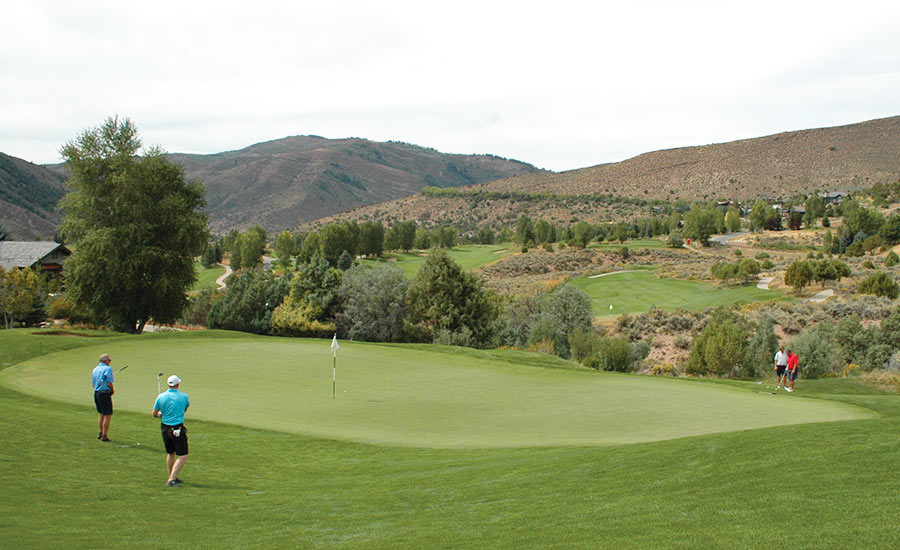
x,y
334,345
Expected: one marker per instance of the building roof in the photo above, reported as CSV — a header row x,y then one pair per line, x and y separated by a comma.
x,y
25,253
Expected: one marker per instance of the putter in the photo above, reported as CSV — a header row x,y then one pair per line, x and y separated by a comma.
x,y
158,387
123,368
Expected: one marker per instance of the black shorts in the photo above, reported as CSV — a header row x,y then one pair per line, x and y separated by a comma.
x,y
103,400
175,444
792,374
779,370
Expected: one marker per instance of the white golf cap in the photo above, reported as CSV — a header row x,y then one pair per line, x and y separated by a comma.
x,y
173,381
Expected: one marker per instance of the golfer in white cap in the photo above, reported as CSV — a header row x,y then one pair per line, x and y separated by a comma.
x,y
170,406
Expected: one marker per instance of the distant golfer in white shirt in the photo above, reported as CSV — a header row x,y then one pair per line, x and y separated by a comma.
x,y
781,361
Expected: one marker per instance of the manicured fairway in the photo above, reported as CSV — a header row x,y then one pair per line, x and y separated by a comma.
x,y
206,278
638,291
421,396
635,244
830,485
468,257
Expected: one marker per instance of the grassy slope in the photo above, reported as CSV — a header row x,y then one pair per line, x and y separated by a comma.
x,y
813,486
638,291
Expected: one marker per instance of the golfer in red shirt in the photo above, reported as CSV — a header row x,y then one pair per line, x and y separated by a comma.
x,y
792,368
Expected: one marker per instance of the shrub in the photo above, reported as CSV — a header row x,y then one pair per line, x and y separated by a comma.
x,y
880,284
60,307
719,349
640,349
373,303
852,370
613,354
762,255
583,343
892,259
758,357
818,352
664,369
868,264
198,308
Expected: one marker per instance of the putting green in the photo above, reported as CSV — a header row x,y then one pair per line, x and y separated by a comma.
x,y
418,396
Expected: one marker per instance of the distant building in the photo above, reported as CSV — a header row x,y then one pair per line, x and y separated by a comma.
x,y
47,255
834,197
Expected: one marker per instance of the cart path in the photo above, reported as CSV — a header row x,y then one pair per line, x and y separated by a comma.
x,y
221,280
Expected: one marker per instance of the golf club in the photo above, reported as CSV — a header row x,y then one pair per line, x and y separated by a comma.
x,y
158,387
123,368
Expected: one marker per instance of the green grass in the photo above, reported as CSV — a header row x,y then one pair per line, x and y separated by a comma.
x,y
821,485
469,257
638,291
636,244
422,396
206,278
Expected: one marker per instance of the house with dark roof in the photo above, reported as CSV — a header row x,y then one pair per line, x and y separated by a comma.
x,y
834,197
47,255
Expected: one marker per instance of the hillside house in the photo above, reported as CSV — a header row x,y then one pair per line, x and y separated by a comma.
x,y
47,255
834,197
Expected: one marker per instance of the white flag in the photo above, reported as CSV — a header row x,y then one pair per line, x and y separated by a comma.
x,y
334,345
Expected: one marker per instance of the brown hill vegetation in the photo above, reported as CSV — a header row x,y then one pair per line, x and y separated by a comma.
x,y
283,183
783,165
28,197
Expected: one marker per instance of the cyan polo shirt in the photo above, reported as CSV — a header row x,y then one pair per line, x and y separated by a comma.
x,y
172,404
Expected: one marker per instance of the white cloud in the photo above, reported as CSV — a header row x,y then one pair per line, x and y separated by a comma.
x,y
562,85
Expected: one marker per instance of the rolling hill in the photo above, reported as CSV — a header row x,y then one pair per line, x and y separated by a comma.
x,y
283,183
840,158
28,197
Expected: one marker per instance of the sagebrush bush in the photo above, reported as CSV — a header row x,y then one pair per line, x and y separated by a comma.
x,y
818,352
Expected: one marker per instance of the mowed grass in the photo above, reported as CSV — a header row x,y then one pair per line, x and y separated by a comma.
x,y
425,396
638,291
206,278
468,257
823,485
636,244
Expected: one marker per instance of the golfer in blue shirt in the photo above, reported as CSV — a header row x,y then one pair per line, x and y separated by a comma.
x,y
102,382
170,406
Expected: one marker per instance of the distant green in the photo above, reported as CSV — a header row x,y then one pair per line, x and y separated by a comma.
x,y
206,277
636,244
469,257
638,291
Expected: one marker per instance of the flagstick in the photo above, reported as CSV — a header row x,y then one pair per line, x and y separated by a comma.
x,y
333,375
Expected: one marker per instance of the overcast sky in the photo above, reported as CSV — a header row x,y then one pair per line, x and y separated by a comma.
x,y
559,84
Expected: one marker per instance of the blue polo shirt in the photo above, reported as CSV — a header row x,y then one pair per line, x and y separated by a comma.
x,y
101,377
172,404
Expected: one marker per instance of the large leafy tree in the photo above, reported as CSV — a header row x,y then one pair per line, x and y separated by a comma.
x,y
136,225
700,222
